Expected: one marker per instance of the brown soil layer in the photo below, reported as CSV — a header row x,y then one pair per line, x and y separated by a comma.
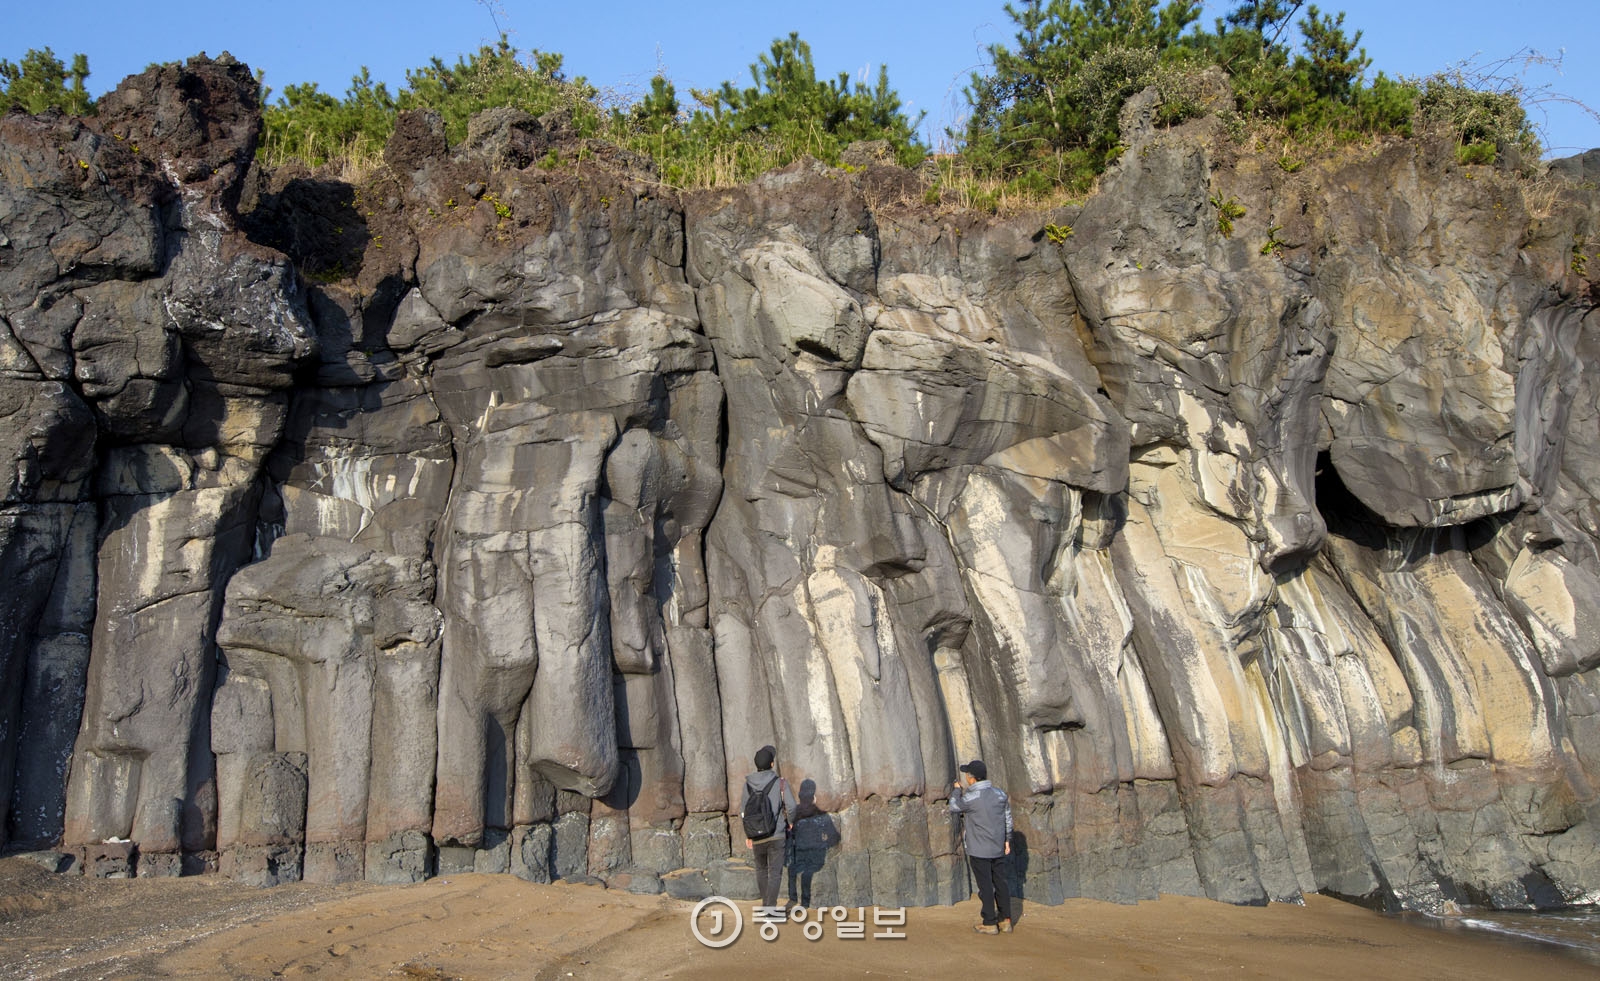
x,y
490,927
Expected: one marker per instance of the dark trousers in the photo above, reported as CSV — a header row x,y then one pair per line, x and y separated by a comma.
x,y
769,869
805,864
993,891
800,887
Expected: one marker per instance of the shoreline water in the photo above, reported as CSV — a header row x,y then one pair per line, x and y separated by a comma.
x,y
1573,932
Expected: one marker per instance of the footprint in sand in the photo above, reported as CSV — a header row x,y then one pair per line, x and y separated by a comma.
x,y
340,950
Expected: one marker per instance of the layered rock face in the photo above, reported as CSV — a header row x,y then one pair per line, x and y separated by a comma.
x,y
489,516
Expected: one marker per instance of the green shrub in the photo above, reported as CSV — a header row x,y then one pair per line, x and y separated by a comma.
x,y
1102,84
1227,210
1184,88
498,77
1479,119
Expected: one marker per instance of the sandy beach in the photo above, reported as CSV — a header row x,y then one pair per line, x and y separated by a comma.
x,y
491,927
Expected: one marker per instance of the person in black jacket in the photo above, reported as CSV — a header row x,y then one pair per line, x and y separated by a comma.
x,y
810,838
986,833
764,788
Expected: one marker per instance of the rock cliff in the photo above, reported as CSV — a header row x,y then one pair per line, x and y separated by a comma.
x,y
486,515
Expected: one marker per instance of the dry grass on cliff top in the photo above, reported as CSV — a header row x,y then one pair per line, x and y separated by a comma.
x,y
492,927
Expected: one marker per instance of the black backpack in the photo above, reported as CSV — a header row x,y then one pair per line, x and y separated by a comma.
x,y
760,816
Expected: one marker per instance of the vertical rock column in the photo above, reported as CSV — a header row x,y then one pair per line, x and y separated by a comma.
x,y
591,494
557,323
985,408
49,677
47,559
365,471
185,373
79,208
335,642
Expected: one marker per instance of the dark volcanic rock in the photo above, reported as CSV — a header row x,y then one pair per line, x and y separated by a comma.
x,y
201,119
488,514
131,295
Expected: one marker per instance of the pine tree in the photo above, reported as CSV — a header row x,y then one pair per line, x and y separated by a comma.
x,y
39,82
1048,96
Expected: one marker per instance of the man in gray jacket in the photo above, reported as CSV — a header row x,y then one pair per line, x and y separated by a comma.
x,y
986,831
766,790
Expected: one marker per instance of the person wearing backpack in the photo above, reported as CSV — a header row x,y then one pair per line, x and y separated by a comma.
x,y
766,808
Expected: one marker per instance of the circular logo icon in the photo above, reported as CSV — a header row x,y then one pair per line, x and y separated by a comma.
x,y
722,933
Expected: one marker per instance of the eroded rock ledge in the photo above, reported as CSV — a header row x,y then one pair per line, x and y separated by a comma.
x,y
487,516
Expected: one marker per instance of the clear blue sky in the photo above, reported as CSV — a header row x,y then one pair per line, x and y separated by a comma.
x,y
930,47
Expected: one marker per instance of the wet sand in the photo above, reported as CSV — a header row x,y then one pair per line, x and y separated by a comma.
x,y
492,927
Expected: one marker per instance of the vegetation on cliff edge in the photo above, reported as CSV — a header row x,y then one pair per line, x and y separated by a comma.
x,y
1046,113
731,134
1043,117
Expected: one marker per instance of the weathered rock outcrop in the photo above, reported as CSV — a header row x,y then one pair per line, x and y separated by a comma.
x,y
502,532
